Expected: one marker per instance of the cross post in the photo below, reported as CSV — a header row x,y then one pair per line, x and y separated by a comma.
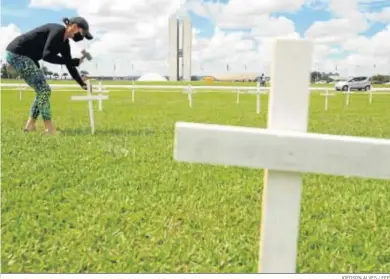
x,y
21,89
348,95
370,96
238,95
133,92
100,92
258,97
189,91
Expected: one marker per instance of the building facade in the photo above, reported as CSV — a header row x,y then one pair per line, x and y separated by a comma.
x,y
180,49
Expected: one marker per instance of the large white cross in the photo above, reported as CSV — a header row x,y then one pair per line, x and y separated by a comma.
x,y
285,150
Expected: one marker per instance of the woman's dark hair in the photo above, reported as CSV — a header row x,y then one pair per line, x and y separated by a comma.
x,y
66,20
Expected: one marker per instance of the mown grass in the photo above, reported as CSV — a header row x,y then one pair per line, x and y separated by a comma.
x,y
117,202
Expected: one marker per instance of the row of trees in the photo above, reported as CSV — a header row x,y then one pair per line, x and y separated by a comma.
x,y
320,76
49,74
328,77
380,79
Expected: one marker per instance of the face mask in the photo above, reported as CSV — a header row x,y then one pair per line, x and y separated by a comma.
x,y
78,37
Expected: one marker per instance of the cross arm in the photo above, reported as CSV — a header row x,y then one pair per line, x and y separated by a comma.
x,y
88,98
282,150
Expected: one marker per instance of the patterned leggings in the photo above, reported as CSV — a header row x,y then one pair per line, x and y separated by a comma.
x,y
35,78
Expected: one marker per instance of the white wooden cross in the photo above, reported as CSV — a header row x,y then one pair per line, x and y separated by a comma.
x,y
189,91
258,96
370,96
21,89
89,97
327,94
347,95
133,92
285,150
100,91
238,91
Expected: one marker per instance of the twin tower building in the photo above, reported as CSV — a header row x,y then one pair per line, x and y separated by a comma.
x,y
180,48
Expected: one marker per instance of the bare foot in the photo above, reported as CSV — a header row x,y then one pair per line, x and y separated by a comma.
x,y
30,129
49,127
30,125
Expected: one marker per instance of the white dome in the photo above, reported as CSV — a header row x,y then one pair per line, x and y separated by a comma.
x,y
152,77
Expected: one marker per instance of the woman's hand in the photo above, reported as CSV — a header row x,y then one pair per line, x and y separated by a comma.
x,y
84,78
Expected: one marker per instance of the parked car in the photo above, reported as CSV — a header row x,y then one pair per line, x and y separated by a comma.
x,y
356,83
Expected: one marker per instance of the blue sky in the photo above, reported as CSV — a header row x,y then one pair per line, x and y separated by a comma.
x,y
19,13
26,18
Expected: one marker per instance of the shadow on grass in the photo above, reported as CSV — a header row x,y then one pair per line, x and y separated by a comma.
x,y
117,132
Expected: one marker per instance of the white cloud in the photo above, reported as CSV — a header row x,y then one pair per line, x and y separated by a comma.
x,y
131,33
269,27
360,5
235,14
344,31
377,45
7,34
381,16
347,23
365,52
335,30
205,9
345,8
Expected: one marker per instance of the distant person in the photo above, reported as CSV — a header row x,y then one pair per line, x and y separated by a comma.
x,y
46,42
262,80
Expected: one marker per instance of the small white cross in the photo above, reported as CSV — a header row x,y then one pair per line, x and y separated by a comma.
x,y
347,96
327,94
133,92
89,97
370,96
101,90
238,91
189,91
258,93
21,89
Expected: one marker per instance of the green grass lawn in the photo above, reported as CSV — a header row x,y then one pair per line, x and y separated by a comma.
x,y
117,202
